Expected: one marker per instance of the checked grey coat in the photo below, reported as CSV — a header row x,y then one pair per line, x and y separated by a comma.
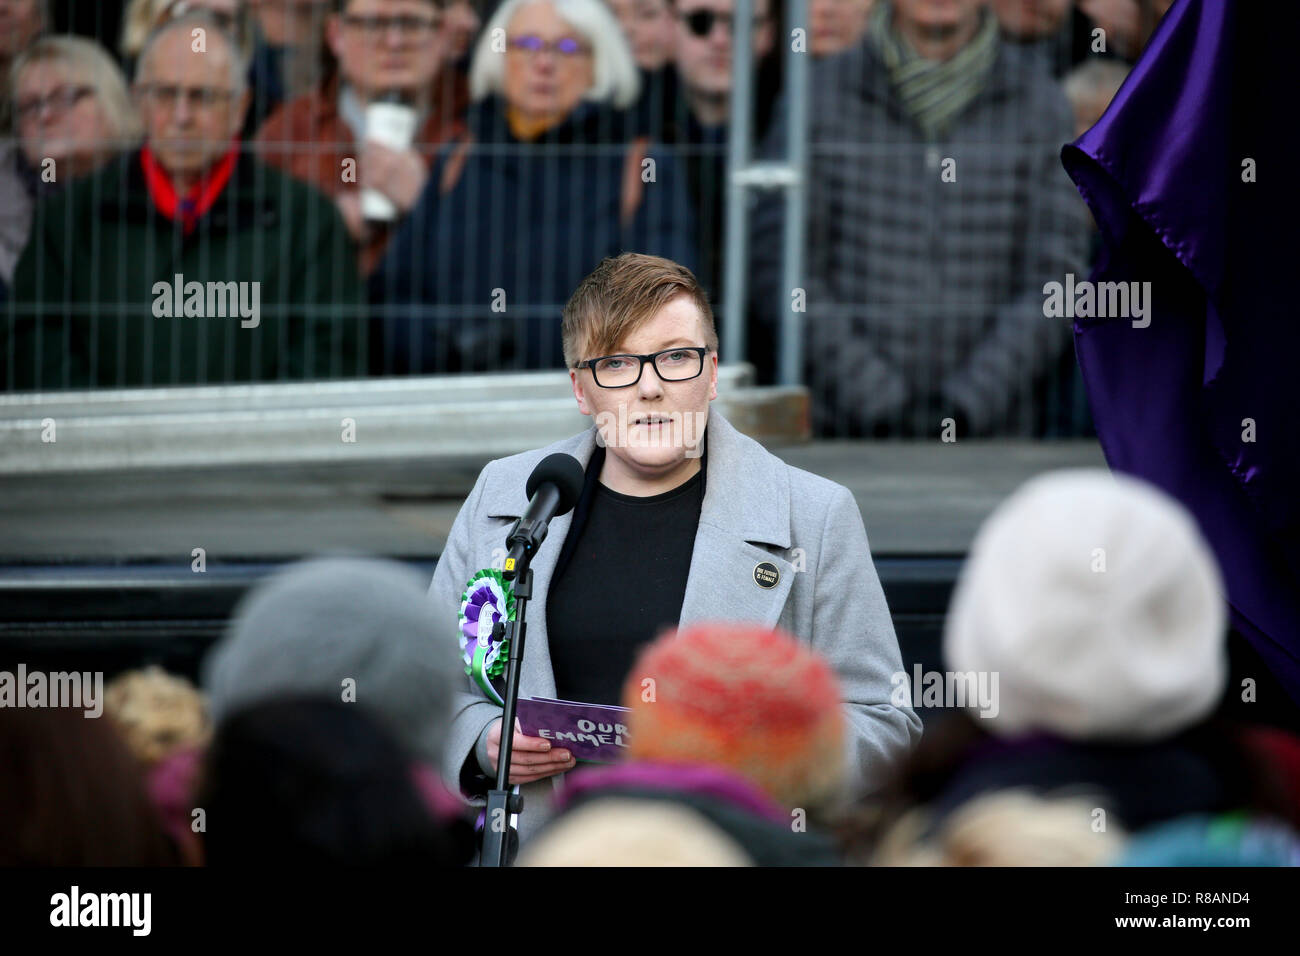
x,y
924,291
756,508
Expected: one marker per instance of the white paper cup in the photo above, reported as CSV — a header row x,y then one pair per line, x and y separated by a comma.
x,y
391,125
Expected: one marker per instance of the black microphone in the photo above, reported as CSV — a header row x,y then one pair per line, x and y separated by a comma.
x,y
553,489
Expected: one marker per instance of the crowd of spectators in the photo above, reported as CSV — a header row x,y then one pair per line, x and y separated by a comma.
x,y
1112,735
416,187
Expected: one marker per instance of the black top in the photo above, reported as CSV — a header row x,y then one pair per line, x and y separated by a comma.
x,y
620,580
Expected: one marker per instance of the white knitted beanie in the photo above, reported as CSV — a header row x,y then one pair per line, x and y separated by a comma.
x,y
1099,606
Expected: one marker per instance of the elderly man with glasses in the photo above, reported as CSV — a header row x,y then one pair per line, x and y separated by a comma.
x,y
184,261
387,51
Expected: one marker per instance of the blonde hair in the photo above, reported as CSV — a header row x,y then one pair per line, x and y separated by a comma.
x,y
614,74
622,294
622,831
96,68
138,22
158,713
1007,828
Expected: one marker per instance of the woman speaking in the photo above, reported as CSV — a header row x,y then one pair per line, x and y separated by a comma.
x,y
682,519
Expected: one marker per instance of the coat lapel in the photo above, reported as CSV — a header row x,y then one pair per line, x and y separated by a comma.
x,y
507,498
746,506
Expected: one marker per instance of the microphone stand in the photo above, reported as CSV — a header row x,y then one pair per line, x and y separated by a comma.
x,y
523,541
501,802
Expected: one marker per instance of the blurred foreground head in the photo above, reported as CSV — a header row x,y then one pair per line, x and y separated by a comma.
x,y
158,713
1009,828
745,698
344,629
71,794
1098,605
318,782
627,832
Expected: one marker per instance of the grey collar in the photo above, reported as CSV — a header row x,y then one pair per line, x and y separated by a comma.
x,y
747,493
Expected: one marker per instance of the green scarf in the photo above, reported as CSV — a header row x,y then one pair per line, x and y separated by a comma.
x,y
934,92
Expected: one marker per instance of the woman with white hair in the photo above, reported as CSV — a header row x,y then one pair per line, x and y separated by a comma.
x,y
72,113
546,183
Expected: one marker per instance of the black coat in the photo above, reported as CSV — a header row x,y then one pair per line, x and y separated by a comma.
x,y
86,311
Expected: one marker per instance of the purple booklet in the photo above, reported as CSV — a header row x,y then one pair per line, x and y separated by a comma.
x,y
596,733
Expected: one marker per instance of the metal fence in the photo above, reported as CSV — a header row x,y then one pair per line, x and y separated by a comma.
x,y
899,277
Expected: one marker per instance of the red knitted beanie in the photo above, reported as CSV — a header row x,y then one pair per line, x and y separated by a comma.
x,y
742,697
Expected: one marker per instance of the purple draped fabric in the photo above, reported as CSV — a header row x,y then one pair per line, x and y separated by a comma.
x,y
1168,172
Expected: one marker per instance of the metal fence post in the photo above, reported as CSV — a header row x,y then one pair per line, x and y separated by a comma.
x,y
743,175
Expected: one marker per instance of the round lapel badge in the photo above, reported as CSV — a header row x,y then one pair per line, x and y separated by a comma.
x,y
766,574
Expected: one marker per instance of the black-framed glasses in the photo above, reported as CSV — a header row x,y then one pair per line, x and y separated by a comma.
x,y
678,364
531,44
57,101
700,22
375,28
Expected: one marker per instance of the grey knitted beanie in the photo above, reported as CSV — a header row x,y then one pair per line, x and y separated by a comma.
x,y
341,628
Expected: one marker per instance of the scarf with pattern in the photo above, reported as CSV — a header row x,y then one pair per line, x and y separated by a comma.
x,y
934,92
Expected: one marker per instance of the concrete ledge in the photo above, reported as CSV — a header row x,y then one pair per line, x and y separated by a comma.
x,y
918,499
299,423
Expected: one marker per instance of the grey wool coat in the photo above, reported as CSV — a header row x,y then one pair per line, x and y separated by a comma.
x,y
916,284
756,508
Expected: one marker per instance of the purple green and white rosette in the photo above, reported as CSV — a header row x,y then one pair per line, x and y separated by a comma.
x,y
488,598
